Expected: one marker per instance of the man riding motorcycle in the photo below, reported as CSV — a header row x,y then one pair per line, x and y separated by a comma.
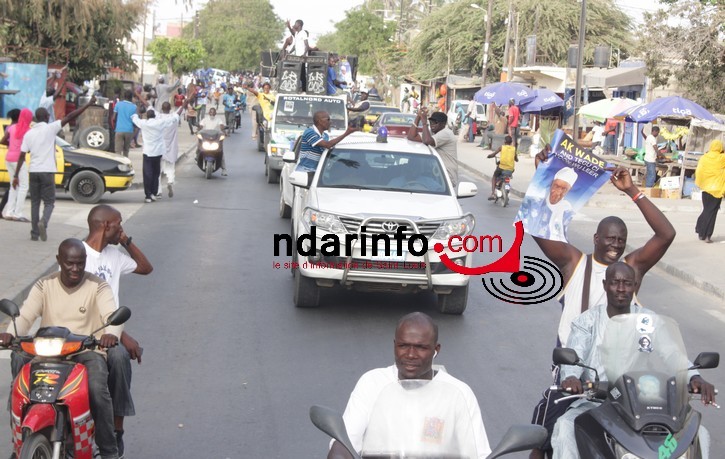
x,y
587,334
212,123
415,346
506,164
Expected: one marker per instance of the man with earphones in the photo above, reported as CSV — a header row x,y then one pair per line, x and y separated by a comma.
x,y
415,346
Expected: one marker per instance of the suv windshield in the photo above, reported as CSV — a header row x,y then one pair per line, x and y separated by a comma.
x,y
388,171
297,111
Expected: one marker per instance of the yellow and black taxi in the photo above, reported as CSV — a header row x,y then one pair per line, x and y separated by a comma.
x,y
86,173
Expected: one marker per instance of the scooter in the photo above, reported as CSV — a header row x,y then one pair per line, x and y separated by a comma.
x,y
645,410
50,412
503,187
418,419
210,151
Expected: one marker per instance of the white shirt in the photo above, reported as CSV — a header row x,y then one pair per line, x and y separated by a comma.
x,y
598,134
650,149
210,123
40,142
446,146
109,264
371,384
298,43
472,110
48,103
153,133
171,138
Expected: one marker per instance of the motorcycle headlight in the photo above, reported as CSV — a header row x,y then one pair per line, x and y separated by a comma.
x,y
210,145
323,220
459,227
48,347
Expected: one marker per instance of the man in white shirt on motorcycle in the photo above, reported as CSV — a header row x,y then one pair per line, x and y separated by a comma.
x,y
213,123
415,346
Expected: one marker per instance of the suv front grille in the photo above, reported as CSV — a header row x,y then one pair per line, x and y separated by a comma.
x,y
376,226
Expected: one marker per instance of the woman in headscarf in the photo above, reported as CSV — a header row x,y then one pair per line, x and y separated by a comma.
x,y
18,178
710,177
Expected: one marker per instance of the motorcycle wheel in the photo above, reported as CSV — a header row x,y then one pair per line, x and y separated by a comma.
x,y
36,446
505,197
209,169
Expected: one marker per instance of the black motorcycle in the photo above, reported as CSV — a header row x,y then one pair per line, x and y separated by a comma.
x,y
210,151
645,410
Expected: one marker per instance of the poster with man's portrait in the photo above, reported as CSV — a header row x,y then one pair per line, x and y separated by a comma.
x,y
560,187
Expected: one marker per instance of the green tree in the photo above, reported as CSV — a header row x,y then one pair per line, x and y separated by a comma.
x,y
88,35
455,33
178,55
690,50
234,32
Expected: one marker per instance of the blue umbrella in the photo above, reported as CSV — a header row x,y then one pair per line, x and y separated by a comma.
x,y
670,107
545,99
501,93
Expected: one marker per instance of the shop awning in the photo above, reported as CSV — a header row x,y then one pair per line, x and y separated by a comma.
x,y
614,78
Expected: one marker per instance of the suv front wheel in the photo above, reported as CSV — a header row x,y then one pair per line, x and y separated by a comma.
x,y
454,302
307,293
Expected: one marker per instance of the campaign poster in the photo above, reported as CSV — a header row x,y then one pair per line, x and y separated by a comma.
x,y
29,79
560,187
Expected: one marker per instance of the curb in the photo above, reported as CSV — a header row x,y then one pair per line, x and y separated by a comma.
x,y
668,268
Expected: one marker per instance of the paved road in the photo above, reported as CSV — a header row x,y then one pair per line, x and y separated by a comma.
x,y
231,367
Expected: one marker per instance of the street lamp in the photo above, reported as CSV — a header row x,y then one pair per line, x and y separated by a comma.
x,y
487,18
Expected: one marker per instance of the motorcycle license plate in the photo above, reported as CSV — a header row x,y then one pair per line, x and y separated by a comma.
x,y
507,186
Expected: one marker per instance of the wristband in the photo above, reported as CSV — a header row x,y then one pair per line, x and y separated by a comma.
x,y
128,242
638,196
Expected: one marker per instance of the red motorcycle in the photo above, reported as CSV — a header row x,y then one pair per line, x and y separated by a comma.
x,y
50,413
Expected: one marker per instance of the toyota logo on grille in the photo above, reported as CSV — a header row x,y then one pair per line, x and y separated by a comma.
x,y
390,227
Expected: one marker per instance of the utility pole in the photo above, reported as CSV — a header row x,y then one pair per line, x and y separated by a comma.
x,y
579,65
507,46
487,44
196,26
143,41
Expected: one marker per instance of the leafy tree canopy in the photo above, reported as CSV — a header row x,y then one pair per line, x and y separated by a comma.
x,y
178,55
457,31
86,34
687,44
234,32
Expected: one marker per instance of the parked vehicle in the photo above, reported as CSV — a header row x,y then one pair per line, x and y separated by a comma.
x,y
365,187
50,408
454,120
209,151
645,410
375,112
397,124
293,114
84,172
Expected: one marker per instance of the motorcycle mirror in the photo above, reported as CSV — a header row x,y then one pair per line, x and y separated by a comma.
x,y
565,356
704,360
9,308
117,317
520,438
330,422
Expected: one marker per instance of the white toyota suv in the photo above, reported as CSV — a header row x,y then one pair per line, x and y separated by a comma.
x,y
366,195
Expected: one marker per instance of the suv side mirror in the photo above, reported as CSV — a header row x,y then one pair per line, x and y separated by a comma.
x,y
301,179
289,157
565,356
704,360
466,190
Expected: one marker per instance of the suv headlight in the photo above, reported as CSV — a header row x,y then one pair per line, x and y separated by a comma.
x,y
459,227
277,151
323,220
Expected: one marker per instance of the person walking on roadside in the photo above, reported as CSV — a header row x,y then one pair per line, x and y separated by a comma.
x,y
171,141
163,92
40,140
202,101
228,101
192,114
179,98
513,117
154,147
438,136
13,138
105,260
710,177
123,111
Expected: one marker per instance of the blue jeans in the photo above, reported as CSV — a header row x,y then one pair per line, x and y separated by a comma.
x,y
651,176
119,380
